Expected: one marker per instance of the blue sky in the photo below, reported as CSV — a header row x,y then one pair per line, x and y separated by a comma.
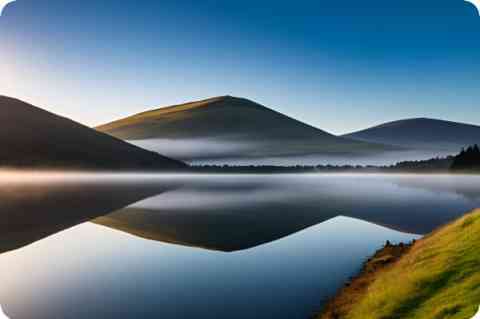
x,y
338,65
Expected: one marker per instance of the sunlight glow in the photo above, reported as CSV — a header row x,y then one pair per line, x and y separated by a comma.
x,y
476,3
2,314
3,4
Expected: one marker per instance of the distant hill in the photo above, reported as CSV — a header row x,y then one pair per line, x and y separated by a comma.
x,y
231,127
422,133
32,137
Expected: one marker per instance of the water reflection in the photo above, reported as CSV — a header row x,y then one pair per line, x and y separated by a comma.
x,y
93,271
230,213
34,208
226,212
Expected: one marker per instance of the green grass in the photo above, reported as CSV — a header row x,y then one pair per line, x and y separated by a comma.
x,y
438,278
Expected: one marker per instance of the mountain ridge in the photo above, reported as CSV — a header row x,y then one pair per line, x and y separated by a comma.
x,y
34,137
256,130
419,119
421,132
213,102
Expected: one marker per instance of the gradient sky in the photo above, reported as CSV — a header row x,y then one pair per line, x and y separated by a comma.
x,y
338,65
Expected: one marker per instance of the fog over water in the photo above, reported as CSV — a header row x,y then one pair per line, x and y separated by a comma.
x,y
386,158
245,152
224,246
199,148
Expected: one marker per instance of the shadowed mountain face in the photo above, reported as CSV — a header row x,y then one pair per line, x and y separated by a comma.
x,y
422,133
229,127
32,137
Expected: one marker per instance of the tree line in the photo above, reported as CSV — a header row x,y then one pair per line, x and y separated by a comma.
x,y
467,160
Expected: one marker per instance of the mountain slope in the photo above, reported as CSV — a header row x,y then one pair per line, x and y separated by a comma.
x,y
32,137
421,133
237,127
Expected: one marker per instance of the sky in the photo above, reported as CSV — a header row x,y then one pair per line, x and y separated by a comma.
x,y
338,65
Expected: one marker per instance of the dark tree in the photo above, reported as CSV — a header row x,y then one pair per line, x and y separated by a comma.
x,y
468,160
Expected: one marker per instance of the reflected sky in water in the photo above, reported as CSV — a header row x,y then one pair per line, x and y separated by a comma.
x,y
245,246
92,272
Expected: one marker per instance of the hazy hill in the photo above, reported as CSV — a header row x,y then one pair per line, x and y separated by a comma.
x,y
231,127
32,137
422,133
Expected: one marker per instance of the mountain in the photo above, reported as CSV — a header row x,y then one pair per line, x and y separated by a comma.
x,y
422,133
32,137
231,127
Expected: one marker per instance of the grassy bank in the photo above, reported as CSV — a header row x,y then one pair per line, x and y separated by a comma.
x,y
438,277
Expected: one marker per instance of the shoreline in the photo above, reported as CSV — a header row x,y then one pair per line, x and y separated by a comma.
x,y
350,293
432,277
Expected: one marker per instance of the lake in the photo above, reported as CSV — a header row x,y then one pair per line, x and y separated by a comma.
x,y
204,246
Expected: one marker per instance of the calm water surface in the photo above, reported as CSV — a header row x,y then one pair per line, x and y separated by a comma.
x,y
204,246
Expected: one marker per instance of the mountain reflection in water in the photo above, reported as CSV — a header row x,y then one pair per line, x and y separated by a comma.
x,y
230,213
226,212
91,271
